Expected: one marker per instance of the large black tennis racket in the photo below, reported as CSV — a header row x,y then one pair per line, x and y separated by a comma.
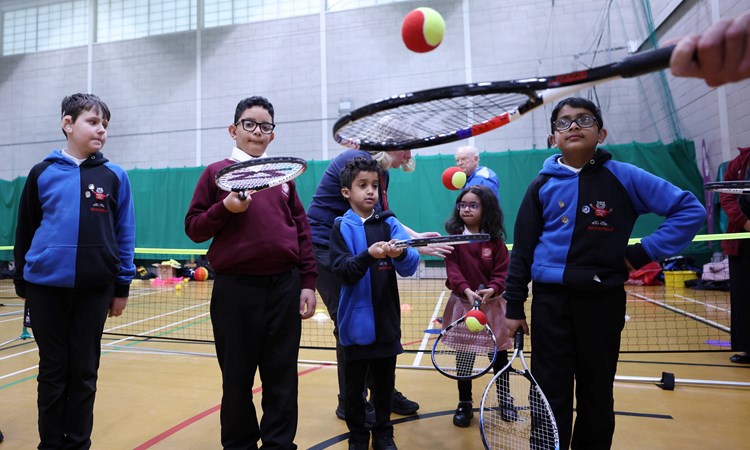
x,y
441,115
728,187
462,354
453,239
515,413
259,173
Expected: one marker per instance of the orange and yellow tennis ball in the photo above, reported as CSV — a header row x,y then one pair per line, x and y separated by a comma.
x,y
423,30
475,320
200,274
454,178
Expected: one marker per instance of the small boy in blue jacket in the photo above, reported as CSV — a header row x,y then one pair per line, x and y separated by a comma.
x,y
363,254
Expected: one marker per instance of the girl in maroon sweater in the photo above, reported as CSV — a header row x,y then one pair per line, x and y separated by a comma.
x,y
469,266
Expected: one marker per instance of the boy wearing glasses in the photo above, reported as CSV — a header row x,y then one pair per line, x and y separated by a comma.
x,y
265,284
571,240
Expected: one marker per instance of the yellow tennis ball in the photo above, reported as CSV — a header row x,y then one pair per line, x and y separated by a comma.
x,y
475,321
178,287
459,179
422,30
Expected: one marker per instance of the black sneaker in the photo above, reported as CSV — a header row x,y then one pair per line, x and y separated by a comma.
x,y
402,405
359,446
340,411
463,415
509,414
384,443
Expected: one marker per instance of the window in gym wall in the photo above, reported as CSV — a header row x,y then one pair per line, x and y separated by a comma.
x,y
118,20
229,12
50,27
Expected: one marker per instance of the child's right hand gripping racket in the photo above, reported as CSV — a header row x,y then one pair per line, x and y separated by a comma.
x,y
515,413
464,354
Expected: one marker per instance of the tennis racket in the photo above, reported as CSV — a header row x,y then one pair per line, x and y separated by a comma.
x,y
515,413
462,354
259,173
456,239
441,115
728,187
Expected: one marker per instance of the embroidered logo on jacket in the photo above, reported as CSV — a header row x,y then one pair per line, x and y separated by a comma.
x,y
99,198
601,212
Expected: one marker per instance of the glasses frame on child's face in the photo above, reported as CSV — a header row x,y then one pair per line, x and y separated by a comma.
x,y
472,206
584,121
250,125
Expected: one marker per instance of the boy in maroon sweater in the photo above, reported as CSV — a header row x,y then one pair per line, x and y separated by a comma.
x,y
265,284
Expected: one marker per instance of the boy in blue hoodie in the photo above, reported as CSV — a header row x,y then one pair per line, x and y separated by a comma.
x,y
363,255
571,240
74,249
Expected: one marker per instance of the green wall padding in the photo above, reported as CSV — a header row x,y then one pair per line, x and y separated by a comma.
x,y
161,196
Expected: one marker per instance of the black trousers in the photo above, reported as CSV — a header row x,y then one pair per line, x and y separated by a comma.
x,y
381,372
67,325
739,293
575,341
257,326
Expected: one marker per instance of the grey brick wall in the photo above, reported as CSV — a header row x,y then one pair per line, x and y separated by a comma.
x,y
173,96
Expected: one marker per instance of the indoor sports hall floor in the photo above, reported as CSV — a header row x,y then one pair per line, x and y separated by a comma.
x,y
165,395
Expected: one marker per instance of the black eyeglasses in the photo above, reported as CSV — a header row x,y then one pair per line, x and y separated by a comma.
x,y
250,125
564,123
473,206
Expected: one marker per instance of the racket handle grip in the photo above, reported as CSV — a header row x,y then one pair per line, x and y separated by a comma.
x,y
518,339
646,62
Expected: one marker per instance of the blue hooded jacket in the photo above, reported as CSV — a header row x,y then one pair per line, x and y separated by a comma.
x,y
369,311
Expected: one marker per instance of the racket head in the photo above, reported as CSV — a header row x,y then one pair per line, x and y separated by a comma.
x,y
514,412
259,173
447,114
453,239
462,354
728,187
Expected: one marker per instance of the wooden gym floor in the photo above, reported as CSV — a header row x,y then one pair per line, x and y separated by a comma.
x,y
165,395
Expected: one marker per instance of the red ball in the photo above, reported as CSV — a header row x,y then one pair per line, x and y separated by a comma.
x,y
477,314
422,30
454,178
200,274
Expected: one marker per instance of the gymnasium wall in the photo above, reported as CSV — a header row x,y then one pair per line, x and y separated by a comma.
x,y
172,96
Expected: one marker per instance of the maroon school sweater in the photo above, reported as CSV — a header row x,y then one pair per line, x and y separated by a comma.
x,y
271,237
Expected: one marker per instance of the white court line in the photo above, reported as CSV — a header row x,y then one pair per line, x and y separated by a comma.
x,y
426,339
683,312
707,305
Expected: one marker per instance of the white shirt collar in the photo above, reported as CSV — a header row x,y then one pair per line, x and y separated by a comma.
x,y
73,158
240,156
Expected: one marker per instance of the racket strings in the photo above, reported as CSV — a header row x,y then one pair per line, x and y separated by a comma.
x,y
464,354
420,121
515,415
258,176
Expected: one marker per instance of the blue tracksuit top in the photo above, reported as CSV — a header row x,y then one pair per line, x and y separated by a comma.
x,y
76,225
573,228
369,311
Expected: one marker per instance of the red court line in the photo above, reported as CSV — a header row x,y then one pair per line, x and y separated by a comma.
x,y
186,423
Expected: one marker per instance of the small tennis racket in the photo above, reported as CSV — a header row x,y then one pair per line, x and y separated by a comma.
x,y
441,115
515,413
456,239
462,354
259,173
728,187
